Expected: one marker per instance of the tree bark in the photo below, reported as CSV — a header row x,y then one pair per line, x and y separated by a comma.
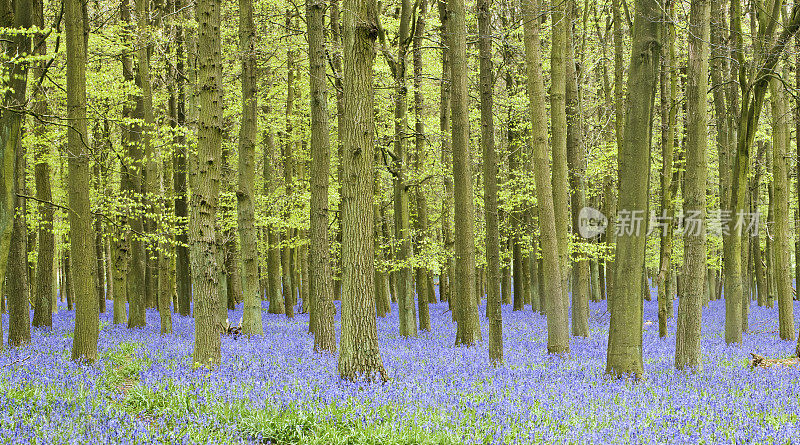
x,y
555,305
205,185
359,356
320,285
42,313
251,317
468,330
84,345
626,304
687,341
493,298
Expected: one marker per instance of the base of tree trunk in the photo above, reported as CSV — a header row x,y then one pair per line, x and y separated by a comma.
x,y
763,362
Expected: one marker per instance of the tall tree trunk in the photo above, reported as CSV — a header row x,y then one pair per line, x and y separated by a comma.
x,y
424,294
687,341
84,345
446,278
576,159
781,242
320,285
493,300
555,305
132,173
668,118
205,185
179,167
468,331
558,135
42,314
15,77
17,286
251,318
625,304
359,356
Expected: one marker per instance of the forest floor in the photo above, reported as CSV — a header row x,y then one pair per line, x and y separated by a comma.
x,y
275,389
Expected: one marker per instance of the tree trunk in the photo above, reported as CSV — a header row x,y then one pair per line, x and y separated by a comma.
x,y
576,160
11,124
424,294
205,185
320,286
84,346
555,305
251,317
446,278
42,313
625,304
17,286
558,135
179,167
468,330
359,356
687,342
668,118
490,184
781,243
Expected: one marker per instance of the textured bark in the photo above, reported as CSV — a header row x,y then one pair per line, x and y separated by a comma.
x,y
359,357
205,185
11,123
626,305
515,150
687,340
179,168
42,313
468,331
17,286
758,262
84,345
245,194
558,138
132,178
272,235
576,160
423,274
446,274
668,118
555,305
320,285
490,171
781,243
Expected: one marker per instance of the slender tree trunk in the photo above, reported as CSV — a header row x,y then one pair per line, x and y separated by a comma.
x,y
359,356
424,294
205,185
251,318
555,305
687,342
132,173
42,314
446,278
179,166
781,242
558,134
84,346
14,84
320,285
17,286
576,160
625,304
668,117
468,330
490,171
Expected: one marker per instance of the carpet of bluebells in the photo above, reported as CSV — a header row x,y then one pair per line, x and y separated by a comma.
x,y
275,389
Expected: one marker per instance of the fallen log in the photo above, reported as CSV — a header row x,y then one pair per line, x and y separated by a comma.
x,y
759,361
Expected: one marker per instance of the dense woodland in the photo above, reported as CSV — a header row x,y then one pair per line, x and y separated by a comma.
x,y
361,159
